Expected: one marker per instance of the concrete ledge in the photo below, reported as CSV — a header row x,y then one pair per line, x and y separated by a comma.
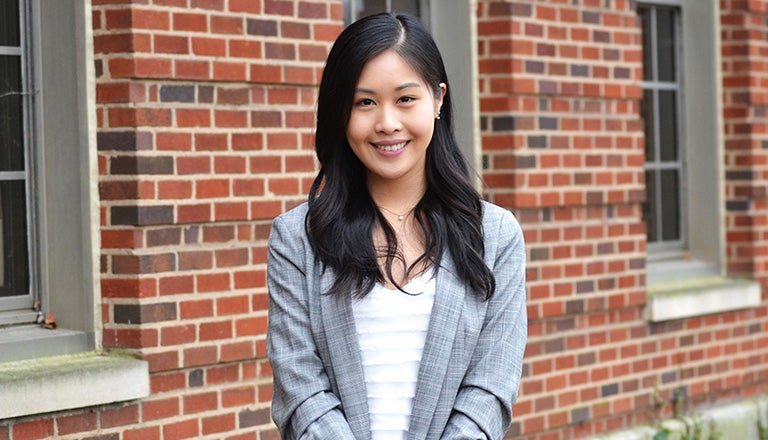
x,y
699,296
65,382
733,421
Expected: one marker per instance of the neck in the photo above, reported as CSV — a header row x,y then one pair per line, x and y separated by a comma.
x,y
397,196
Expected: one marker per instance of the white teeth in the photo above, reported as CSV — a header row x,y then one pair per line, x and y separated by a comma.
x,y
391,147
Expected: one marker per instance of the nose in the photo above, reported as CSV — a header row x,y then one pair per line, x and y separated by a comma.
x,y
388,120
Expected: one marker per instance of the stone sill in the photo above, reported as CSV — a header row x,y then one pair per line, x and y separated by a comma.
x,y
60,383
669,300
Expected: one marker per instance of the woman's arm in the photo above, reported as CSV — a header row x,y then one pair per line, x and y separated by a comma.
x,y
303,403
483,406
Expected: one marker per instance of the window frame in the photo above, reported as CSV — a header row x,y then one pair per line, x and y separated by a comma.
x,y
63,197
703,176
18,308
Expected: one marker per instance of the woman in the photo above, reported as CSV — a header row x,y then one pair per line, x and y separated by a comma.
x,y
397,298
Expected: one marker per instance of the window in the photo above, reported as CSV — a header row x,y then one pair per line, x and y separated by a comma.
x,y
684,209
452,25
663,164
14,99
360,8
683,139
47,164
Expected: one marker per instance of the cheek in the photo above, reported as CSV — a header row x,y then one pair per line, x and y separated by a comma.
x,y
355,129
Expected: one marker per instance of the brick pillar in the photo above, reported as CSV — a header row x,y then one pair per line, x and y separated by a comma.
x,y
206,119
745,111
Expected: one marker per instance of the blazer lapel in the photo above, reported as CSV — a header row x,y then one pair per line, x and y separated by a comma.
x,y
441,333
341,337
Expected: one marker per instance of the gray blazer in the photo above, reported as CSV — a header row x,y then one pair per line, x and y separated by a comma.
x,y
472,360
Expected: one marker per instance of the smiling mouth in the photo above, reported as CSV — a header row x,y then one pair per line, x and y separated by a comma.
x,y
391,148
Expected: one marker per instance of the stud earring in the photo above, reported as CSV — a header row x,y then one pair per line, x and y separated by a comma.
x,y
438,115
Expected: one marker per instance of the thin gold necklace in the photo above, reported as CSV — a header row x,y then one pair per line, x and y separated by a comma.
x,y
400,217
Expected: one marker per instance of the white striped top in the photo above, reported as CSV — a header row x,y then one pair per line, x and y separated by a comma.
x,y
391,329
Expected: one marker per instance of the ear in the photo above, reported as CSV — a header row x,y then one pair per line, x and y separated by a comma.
x,y
439,99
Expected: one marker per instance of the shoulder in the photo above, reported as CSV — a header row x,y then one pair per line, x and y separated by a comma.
x,y
499,222
288,231
293,218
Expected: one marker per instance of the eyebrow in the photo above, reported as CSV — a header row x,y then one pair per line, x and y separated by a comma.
x,y
397,89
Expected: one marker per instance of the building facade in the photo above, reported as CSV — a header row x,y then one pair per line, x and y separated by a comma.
x,y
146,145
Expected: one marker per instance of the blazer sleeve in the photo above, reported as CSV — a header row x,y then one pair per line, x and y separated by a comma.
x,y
483,406
303,403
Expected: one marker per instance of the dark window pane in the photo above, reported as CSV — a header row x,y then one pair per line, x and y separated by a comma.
x,y
665,40
369,7
670,205
645,21
649,207
668,125
406,6
14,259
9,23
11,135
646,110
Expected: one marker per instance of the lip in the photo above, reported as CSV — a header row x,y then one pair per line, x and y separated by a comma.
x,y
391,147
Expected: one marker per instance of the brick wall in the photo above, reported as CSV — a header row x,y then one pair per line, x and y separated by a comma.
x,y
563,146
205,115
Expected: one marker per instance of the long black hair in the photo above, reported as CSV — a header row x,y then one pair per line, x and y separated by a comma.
x,y
342,213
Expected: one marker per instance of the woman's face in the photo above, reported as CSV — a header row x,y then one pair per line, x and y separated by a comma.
x,y
392,120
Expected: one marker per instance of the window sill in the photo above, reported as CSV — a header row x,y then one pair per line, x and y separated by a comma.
x,y
669,300
66,382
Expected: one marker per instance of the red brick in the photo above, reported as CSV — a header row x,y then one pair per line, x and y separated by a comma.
x,y
192,69
221,423
251,6
202,402
210,142
150,19
265,74
214,5
160,383
160,409
226,24
193,213
119,416
251,326
171,44
181,334
231,118
213,282
150,433
211,331
229,165
245,49
200,356
183,21
196,309
216,47
181,430
229,71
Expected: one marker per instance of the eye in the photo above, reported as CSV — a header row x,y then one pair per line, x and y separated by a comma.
x,y
365,102
407,99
